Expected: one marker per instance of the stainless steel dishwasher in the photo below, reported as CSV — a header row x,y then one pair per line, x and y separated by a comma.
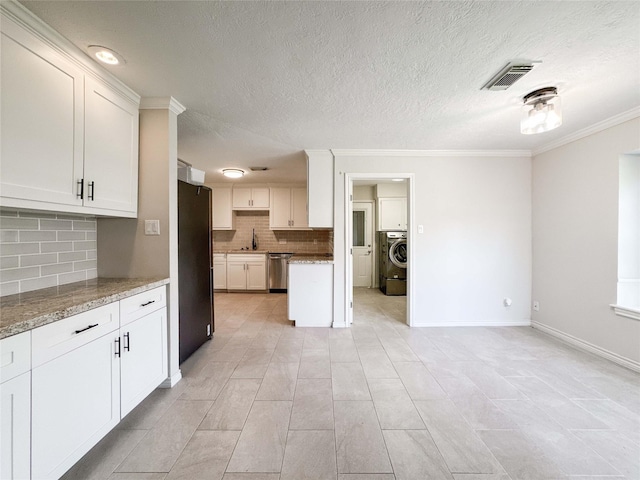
x,y
278,271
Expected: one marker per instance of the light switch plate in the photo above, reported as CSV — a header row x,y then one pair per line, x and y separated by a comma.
x,y
420,228
152,227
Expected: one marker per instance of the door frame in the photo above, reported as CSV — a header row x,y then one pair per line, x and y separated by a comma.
x,y
348,240
372,232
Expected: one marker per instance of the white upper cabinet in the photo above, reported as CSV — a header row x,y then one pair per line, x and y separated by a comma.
x,y
223,216
320,185
111,149
392,213
251,198
288,209
69,130
42,106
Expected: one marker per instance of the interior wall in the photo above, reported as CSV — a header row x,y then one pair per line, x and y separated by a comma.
x,y
123,248
476,245
575,230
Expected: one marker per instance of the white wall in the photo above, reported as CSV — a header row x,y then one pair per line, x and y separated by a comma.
x,y
476,248
629,232
575,229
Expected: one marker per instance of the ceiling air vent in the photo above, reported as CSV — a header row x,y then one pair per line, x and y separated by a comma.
x,y
508,76
258,169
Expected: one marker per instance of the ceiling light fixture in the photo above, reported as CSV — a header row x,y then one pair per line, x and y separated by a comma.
x,y
106,55
541,111
232,172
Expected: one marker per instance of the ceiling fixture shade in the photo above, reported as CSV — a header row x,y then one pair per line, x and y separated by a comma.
x,y
106,55
541,111
232,172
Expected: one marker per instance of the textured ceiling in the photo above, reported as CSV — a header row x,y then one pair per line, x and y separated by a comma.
x,y
263,80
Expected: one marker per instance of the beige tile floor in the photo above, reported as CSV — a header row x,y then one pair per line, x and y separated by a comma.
x,y
379,401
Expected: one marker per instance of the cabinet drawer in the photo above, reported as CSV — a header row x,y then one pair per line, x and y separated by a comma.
x,y
15,356
55,339
141,304
246,258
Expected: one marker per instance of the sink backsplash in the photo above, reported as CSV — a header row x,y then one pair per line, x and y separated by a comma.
x,y
297,241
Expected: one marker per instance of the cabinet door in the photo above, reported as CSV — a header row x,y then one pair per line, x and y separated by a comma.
x,y
236,276
220,275
41,115
221,209
260,198
392,213
15,428
257,275
111,150
241,198
143,365
75,402
280,212
299,218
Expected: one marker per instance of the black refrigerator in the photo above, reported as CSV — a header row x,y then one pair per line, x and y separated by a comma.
x,y
194,268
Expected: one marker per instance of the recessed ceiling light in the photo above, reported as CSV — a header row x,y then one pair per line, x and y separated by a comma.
x,y
232,172
106,55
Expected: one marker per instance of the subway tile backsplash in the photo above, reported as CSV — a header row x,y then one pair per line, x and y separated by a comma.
x,y
45,249
295,241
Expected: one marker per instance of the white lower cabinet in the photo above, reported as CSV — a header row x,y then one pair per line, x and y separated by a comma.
x,y
65,385
246,272
143,365
310,294
219,271
15,403
75,388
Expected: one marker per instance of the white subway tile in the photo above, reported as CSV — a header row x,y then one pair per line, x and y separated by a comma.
x,y
9,262
17,223
19,248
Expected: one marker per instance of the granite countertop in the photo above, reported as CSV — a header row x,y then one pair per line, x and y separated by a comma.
x,y
311,258
26,311
259,252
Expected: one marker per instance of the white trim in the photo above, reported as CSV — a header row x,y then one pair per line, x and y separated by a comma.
x,y
585,132
587,347
162,103
626,311
488,323
30,22
359,152
349,177
339,325
170,382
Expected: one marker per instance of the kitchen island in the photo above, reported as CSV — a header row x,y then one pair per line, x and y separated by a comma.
x,y
310,290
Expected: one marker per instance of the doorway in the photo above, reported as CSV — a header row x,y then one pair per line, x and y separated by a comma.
x,y
365,301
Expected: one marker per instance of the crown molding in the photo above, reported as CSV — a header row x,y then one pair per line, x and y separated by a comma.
x,y
24,18
162,103
585,132
430,153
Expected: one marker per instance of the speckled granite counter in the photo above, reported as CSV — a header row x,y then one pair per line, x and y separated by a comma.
x,y
305,258
26,311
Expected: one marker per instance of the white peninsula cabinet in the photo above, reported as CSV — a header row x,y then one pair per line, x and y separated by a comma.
x,y
310,294
69,131
288,209
15,398
246,272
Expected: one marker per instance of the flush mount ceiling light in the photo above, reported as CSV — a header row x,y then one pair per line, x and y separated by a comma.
x,y
106,55
232,172
541,111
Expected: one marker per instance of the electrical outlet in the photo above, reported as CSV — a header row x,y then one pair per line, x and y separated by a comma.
x,y
315,241
536,306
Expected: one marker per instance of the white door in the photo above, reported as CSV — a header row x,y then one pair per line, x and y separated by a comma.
x,y
362,244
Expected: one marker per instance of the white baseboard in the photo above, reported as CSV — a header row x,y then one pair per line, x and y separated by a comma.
x,y
490,323
339,325
587,347
172,380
